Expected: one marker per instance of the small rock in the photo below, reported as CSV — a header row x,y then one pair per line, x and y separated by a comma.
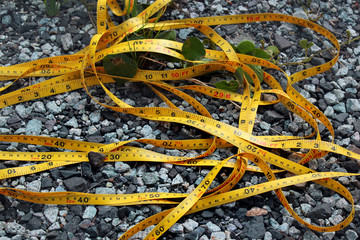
x,y
213,227
190,225
321,211
146,131
176,228
52,107
217,235
105,190
47,48
207,214
315,192
34,186
66,41
95,117
81,104
352,105
77,184
34,223
309,235
281,42
22,111
90,212
72,225
33,127
255,228
351,234
256,211
122,167
14,228
342,71
177,180
272,116
51,214
330,99
96,159
150,178
72,123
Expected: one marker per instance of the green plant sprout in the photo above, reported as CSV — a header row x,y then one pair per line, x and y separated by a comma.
x,y
52,7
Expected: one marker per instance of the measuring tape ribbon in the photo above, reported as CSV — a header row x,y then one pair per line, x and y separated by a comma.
x,y
79,75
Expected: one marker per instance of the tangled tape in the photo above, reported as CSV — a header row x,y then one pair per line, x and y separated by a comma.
x,y
77,71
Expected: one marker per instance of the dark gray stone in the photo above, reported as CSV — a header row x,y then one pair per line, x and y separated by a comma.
x,y
96,159
255,228
104,228
77,184
272,116
95,139
322,211
46,182
72,225
69,173
34,223
282,43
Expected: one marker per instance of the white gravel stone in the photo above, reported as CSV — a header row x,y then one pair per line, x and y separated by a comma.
x,y
90,212
51,214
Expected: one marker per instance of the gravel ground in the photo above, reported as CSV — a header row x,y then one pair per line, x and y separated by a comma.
x,y
28,34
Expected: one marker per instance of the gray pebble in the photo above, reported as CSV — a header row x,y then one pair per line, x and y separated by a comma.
x,y
122,167
81,104
14,228
190,225
52,107
352,105
330,99
6,20
73,98
340,107
89,213
66,41
305,208
218,235
105,190
213,227
51,214
342,71
146,131
294,232
33,127
315,192
177,228
47,48
22,111
351,234
39,107
72,123
150,178
309,235
177,180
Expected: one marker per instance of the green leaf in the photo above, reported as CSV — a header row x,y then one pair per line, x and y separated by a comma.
x,y
120,65
310,44
193,49
235,48
273,50
258,71
304,43
232,86
169,35
239,74
245,46
209,43
260,53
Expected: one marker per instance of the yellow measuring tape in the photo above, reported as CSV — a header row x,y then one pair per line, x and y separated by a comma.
x,y
72,72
